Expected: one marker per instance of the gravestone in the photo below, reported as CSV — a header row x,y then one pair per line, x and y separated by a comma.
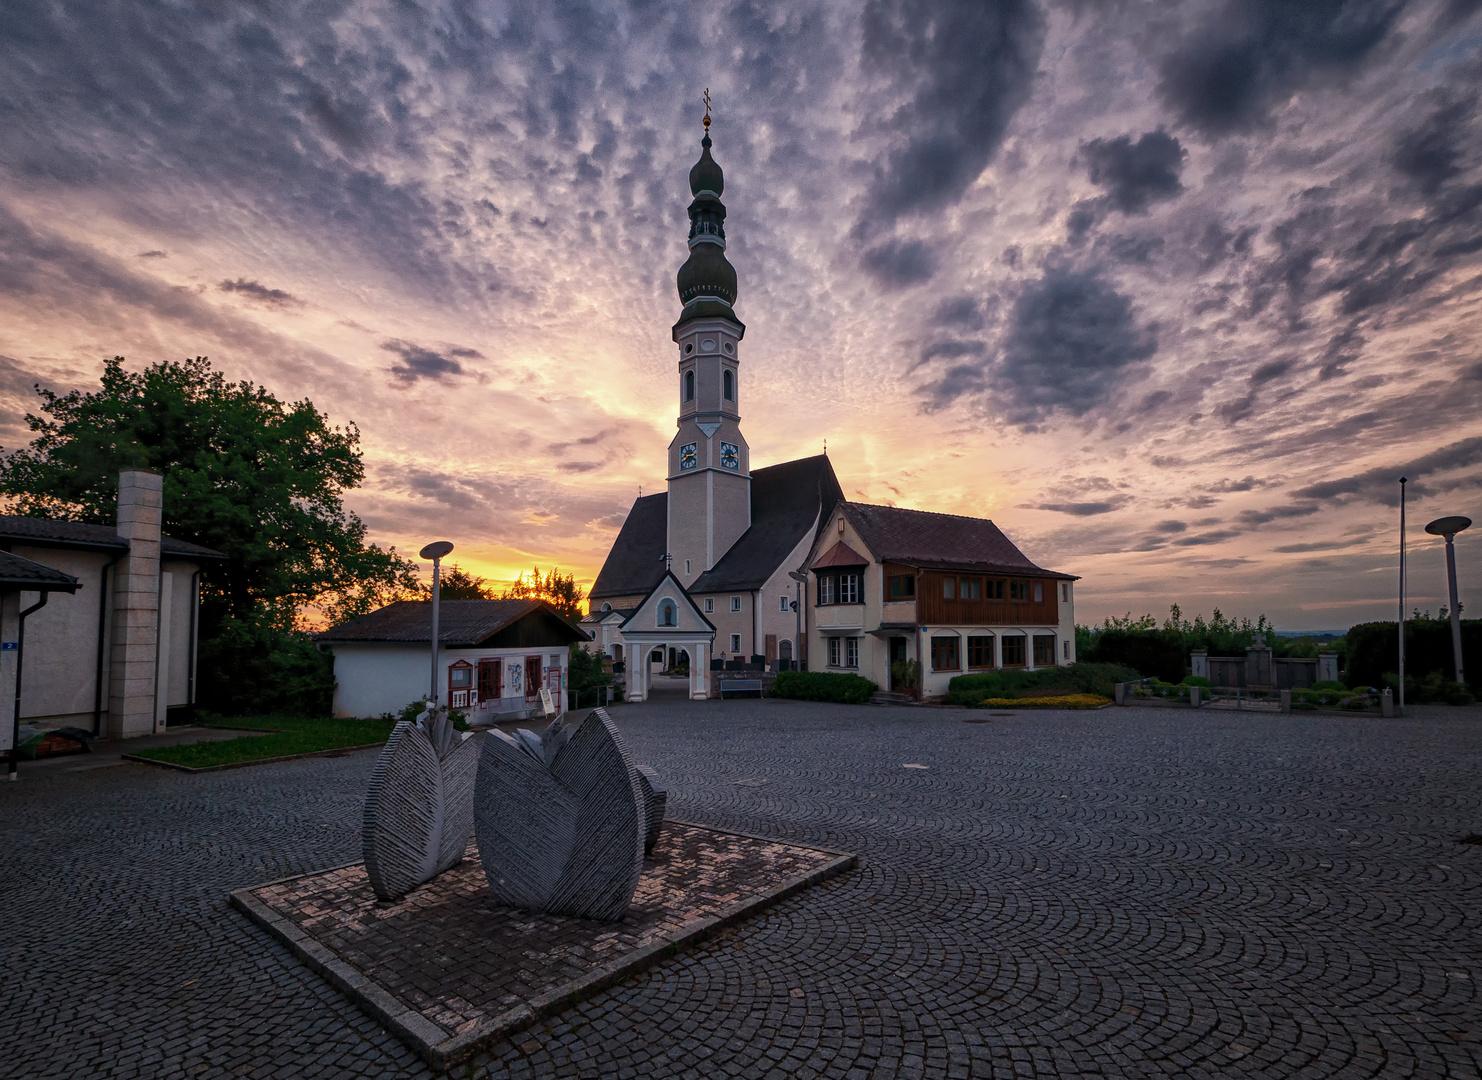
x,y
419,805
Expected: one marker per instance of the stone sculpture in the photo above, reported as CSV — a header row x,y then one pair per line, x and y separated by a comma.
x,y
560,819
419,806
655,797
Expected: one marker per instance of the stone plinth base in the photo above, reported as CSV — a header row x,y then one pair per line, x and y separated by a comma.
x,y
450,971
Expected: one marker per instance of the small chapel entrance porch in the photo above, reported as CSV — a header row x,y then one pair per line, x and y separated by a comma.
x,y
691,647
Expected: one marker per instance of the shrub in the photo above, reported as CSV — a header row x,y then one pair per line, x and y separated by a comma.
x,y
1158,653
823,686
1197,680
1060,701
1373,647
1328,684
1014,683
906,673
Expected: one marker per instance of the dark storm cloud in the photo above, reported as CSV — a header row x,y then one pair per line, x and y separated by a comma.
x,y
1382,484
896,264
964,311
1135,174
1072,340
1277,513
156,254
966,67
1249,56
1429,152
418,362
1081,509
253,290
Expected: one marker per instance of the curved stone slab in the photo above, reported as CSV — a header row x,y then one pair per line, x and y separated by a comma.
x,y
560,819
655,799
418,806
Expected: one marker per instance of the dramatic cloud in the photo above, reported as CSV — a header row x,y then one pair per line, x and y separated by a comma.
x,y
1136,174
1249,56
252,290
418,362
896,264
965,67
1382,484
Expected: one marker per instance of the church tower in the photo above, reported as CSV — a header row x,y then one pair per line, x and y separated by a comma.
x,y
709,461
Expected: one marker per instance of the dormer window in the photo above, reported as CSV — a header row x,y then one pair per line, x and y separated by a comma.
x,y
606,607
729,382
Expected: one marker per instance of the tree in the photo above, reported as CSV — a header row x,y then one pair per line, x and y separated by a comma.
x,y
455,583
561,592
244,473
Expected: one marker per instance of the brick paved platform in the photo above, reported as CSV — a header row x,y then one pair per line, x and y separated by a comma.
x,y
449,971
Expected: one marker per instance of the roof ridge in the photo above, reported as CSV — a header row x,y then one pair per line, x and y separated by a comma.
x,y
913,510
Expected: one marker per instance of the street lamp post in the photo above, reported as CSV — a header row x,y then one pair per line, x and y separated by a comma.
x,y
1449,527
435,552
1402,596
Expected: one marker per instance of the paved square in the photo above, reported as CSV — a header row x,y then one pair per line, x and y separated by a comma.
x,y
448,969
1121,893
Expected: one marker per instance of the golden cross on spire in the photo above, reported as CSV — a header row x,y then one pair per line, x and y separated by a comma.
x,y
707,110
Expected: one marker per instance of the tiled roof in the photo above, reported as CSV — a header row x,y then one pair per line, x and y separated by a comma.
x,y
788,500
459,622
939,541
841,554
48,532
636,562
32,576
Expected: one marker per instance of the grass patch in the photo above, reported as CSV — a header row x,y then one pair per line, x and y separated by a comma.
x,y
291,735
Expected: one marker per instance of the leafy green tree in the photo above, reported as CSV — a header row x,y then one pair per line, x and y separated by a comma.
x,y
244,473
456,583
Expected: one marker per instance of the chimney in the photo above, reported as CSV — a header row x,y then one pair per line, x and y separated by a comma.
x,y
134,669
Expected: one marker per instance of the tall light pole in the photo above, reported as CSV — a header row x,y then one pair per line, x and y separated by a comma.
x,y
1402,596
435,552
1449,527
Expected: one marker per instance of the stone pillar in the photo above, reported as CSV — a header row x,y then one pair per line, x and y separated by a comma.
x,y
1199,662
1258,669
1327,667
1286,701
134,671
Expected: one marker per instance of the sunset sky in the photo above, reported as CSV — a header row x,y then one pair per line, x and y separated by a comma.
x,y
1174,292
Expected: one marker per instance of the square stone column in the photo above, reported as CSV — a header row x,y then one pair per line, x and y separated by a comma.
x,y
134,671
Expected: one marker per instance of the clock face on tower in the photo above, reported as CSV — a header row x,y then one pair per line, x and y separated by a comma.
x,y
687,456
730,456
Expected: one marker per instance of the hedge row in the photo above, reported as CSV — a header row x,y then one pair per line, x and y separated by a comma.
x,y
1080,678
823,686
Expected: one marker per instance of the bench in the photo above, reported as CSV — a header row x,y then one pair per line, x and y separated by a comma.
x,y
741,686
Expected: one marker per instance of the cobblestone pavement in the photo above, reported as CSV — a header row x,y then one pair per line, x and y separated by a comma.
x,y
1119,893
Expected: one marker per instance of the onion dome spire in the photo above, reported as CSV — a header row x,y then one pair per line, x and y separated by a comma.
x,y
707,280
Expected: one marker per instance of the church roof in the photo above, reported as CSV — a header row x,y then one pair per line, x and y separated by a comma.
x,y
636,562
28,576
787,500
459,623
939,541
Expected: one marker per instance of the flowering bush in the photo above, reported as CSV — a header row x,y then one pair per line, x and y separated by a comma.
x,y
1059,701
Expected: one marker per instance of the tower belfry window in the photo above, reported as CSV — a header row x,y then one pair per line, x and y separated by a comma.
x,y
729,382
689,386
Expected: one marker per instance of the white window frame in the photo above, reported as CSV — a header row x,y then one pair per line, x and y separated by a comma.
x,y
848,588
736,644
825,589
735,603
833,652
783,606
709,605
851,652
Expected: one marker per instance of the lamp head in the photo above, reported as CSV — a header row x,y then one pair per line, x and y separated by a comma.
x,y
435,551
1448,526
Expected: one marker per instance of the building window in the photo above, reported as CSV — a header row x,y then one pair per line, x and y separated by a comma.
x,y
730,386
833,652
949,588
980,652
606,607
1044,650
783,603
1039,592
1018,590
968,588
944,654
686,566
993,589
735,643
668,612
1064,592
689,386
1013,650
735,603
902,587
851,652
709,605
848,588
825,589
1066,648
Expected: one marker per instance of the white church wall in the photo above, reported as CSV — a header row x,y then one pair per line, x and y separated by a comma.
x,y
59,680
